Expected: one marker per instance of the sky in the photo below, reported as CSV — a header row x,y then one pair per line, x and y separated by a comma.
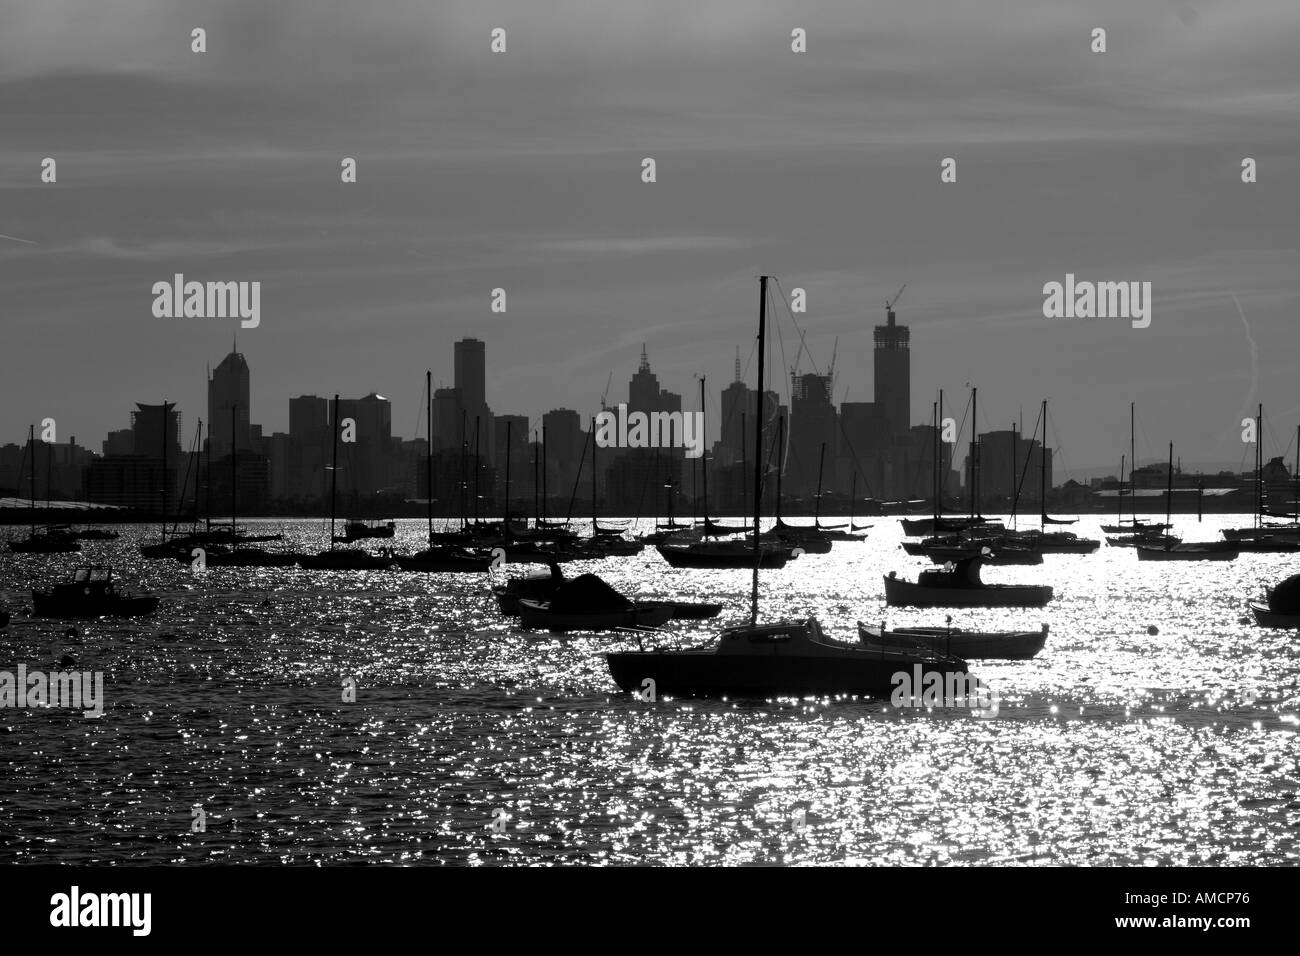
x,y
522,170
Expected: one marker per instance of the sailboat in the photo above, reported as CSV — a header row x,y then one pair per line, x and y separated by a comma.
x,y
786,658
1138,530
809,538
342,559
1261,536
440,558
1051,542
1174,550
706,553
938,523
45,540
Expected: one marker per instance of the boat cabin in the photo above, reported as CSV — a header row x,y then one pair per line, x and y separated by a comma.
x,y
769,638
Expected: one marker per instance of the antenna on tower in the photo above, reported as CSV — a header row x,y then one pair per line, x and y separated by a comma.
x,y
737,363
645,360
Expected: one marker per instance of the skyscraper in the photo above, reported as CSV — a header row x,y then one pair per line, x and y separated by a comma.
x,y
470,379
227,389
894,375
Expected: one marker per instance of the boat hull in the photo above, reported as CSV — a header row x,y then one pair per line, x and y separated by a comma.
x,y
1186,553
45,604
705,674
900,593
1266,618
537,615
710,558
971,645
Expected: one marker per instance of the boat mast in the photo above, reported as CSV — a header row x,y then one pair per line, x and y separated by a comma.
x,y
207,490
505,521
478,466
1014,491
1132,462
31,444
234,480
464,469
428,442
780,462
163,530
934,466
1042,472
537,514
853,495
744,461
704,462
544,473
594,524
1169,496
334,470
1259,466
1119,509
758,451
974,423
817,504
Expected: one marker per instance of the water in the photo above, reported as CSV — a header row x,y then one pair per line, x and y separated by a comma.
x,y
471,742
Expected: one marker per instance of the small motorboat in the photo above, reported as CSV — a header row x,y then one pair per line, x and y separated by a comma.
x,y
1281,605
91,593
972,645
784,659
724,554
446,560
959,585
587,603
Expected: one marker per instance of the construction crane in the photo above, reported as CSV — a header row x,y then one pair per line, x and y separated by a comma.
x,y
605,394
889,303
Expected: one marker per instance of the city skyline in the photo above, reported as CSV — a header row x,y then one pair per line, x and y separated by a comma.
x,y
1122,165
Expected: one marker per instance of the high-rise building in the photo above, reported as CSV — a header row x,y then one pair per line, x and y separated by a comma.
x,y
228,389
471,378
471,372
893,371
148,428
306,475
366,464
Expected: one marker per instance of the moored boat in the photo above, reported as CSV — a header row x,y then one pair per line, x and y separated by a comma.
x,y
971,645
587,603
785,659
960,586
91,593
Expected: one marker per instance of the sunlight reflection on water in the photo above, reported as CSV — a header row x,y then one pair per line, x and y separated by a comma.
x,y
474,742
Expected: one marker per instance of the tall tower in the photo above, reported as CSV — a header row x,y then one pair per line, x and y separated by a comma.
x,y
893,375
228,387
471,374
